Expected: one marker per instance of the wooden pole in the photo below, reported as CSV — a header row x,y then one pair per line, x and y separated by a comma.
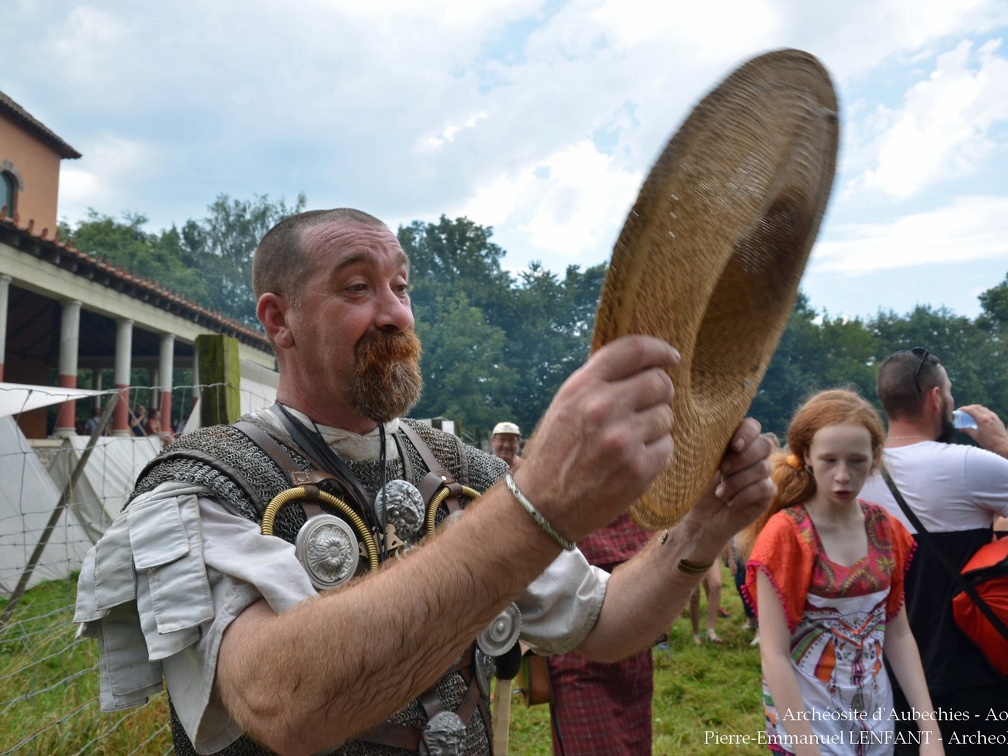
x,y
220,379
501,717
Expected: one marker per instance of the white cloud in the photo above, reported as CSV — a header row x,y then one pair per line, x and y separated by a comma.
x,y
943,126
967,229
538,118
559,206
110,169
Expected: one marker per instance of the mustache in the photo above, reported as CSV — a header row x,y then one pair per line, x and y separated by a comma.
x,y
383,347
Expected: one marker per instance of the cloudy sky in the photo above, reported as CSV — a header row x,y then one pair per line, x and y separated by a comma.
x,y
540,118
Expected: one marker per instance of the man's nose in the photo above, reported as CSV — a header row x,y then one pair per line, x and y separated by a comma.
x,y
394,311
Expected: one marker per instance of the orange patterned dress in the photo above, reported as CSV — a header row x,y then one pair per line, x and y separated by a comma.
x,y
837,616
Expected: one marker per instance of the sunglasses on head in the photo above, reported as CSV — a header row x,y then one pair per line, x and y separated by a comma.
x,y
923,354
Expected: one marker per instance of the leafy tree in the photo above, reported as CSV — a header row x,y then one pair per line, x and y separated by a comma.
x,y
993,321
225,241
466,378
125,243
549,334
455,256
796,370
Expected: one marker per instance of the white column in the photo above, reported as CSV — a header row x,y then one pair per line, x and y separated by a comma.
x,y
69,345
166,369
121,376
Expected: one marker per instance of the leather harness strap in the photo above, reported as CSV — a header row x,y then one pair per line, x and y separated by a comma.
x,y
388,733
438,476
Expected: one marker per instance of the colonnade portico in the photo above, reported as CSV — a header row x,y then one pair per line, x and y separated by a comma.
x,y
68,363
64,313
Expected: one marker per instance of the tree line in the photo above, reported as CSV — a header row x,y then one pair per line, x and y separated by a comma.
x,y
497,345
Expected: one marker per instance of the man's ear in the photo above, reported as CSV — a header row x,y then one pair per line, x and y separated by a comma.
x,y
935,398
272,313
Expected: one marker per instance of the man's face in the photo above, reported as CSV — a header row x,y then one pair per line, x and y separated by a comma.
x,y
353,330
505,446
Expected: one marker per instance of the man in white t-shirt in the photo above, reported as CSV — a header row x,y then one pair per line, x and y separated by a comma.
x,y
956,491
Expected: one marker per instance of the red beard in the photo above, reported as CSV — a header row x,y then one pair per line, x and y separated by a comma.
x,y
387,379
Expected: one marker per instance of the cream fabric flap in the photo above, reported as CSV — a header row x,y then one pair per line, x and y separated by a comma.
x,y
129,678
114,582
157,534
173,591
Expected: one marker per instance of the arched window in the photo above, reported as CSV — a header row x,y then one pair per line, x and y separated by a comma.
x,y
8,192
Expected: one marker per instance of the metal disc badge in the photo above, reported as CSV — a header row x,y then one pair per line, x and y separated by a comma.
x,y
502,633
444,735
486,668
329,551
400,504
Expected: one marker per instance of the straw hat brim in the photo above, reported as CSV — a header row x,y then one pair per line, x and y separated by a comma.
x,y
711,255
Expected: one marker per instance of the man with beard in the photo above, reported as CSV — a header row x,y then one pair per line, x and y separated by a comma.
x,y
956,491
272,635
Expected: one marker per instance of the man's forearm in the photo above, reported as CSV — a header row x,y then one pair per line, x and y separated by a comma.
x,y
335,666
645,595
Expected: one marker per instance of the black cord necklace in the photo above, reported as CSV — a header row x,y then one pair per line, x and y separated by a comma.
x,y
382,510
314,444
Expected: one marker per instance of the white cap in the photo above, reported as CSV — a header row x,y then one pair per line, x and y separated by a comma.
x,y
506,428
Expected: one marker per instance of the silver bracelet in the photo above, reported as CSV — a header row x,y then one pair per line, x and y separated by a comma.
x,y
539,520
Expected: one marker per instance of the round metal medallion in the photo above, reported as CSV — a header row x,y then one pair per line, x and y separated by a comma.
x,y
400,504
502,633
329,551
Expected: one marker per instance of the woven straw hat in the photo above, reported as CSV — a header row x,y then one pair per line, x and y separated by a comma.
x,y
713,250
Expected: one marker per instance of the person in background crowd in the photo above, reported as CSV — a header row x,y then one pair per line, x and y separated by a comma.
x,y
826,576
506,443
737,560
92,422
711,585
138,420
153,428
957,491
604,708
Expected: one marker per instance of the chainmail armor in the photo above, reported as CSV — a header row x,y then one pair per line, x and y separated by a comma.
x,y
234,470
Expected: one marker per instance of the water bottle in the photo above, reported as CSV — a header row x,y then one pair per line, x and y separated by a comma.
x,y
962,420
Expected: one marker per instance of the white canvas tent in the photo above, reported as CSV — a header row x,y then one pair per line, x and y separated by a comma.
x,y
16,398
34,474
107,478
28,496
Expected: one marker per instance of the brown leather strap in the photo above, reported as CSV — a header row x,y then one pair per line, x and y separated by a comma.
x,y
422,449
268,444
438,476
408,738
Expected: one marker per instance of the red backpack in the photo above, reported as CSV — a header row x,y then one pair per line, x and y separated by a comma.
x,y
987,573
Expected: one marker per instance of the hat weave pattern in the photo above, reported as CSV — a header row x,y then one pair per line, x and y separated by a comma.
x,y
711,255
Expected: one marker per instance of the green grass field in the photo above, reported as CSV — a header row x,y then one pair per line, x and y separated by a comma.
x,y
697,689
49,690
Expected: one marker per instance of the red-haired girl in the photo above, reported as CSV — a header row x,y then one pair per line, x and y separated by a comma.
x,y
826,579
